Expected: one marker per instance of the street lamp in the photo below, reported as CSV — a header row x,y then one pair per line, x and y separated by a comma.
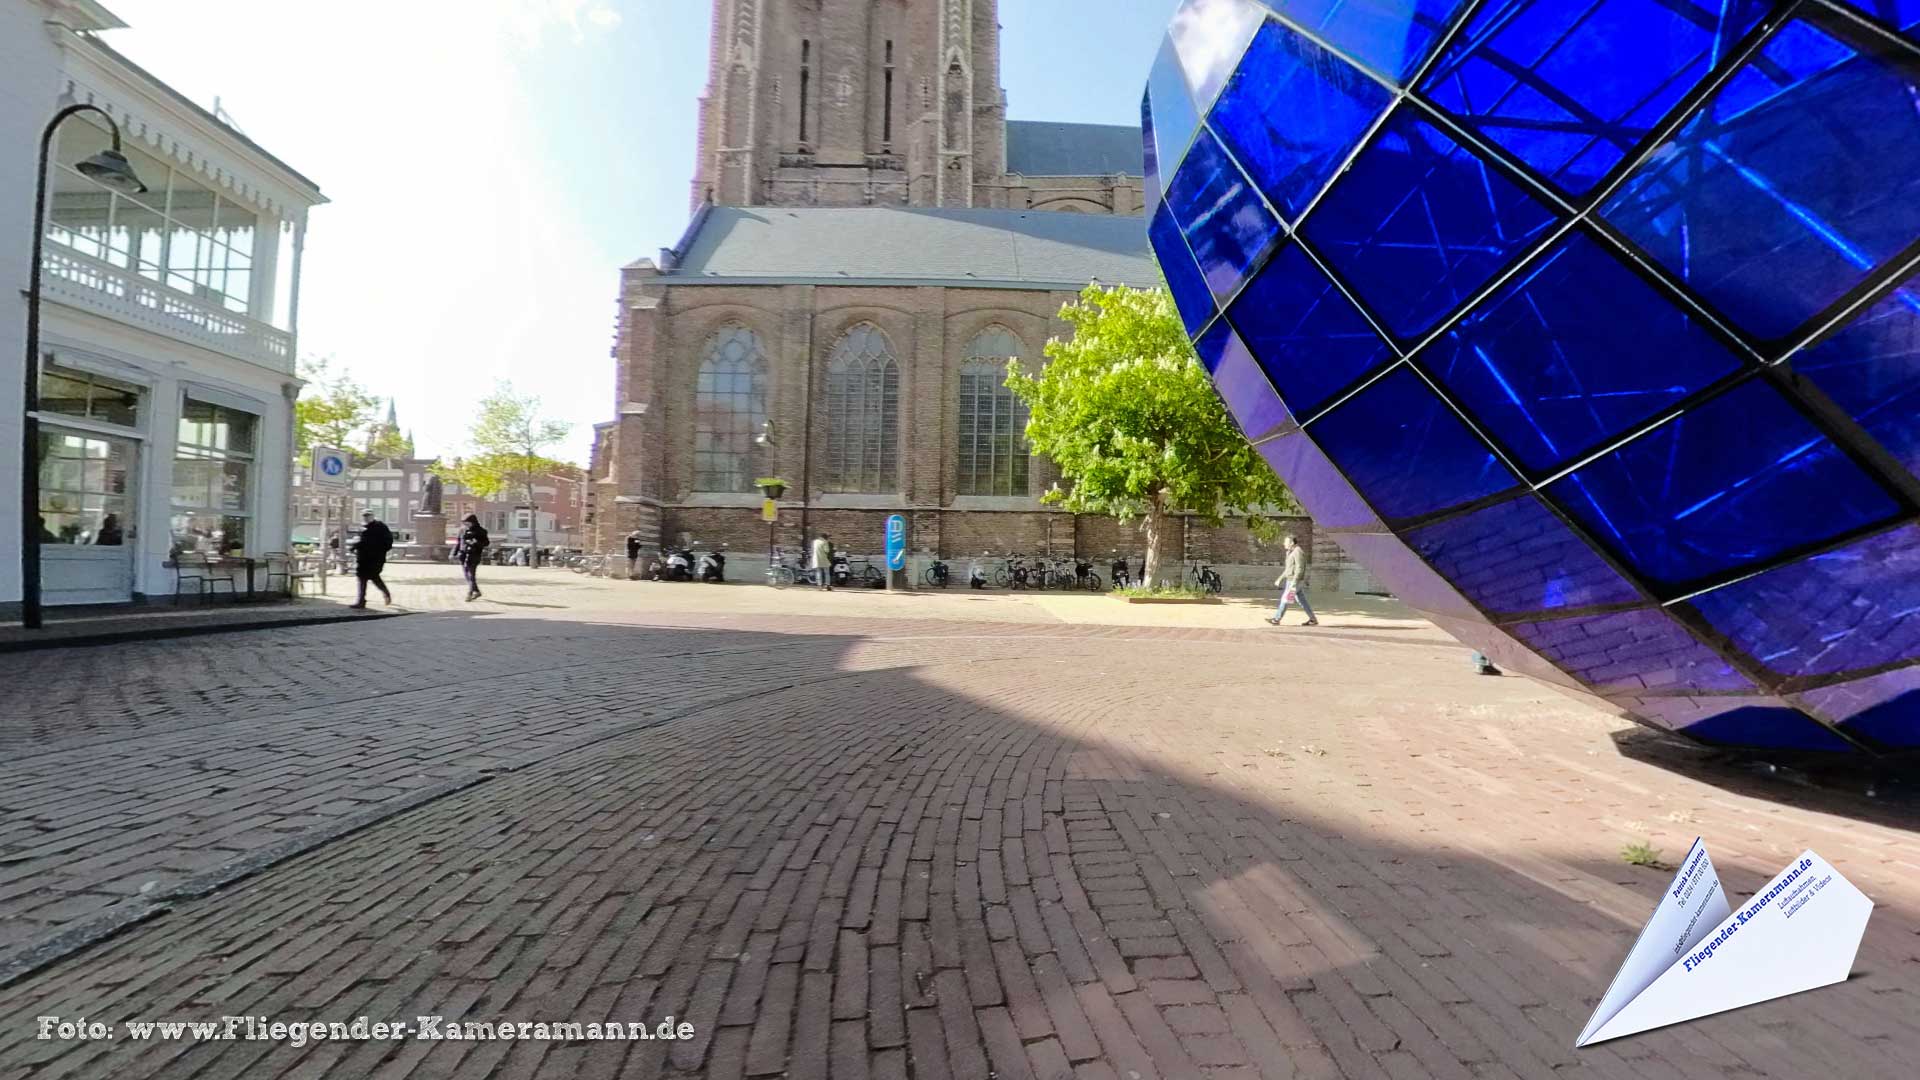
x,y
773,489
111,169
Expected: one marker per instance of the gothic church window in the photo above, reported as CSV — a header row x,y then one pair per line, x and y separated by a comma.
x,y
863,414
806,77
993,455
886,114
729,409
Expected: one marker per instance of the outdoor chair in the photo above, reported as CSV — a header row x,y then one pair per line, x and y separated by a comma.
x,y
277,566
192,568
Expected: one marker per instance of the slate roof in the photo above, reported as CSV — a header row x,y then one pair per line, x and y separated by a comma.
x,y
909,245
1044,148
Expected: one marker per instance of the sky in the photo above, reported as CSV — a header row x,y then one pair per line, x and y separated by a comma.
x,y
491,164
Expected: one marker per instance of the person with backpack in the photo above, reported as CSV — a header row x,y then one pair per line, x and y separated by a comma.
x,y
472,545
370,556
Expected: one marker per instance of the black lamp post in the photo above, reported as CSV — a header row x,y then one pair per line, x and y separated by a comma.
x,y
111,169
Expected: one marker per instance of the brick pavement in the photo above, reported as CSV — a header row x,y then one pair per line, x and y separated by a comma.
x,y
917,848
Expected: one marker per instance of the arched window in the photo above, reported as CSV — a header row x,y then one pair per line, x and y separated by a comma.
x,y
993,423
863,413
729,408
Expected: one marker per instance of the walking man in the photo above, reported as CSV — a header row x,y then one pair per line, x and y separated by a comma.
x,y
823,561
370,556
1293,584
633,555
473,541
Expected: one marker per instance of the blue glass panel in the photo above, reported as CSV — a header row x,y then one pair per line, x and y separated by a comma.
x,y
1762,723
1516,557
1248,395
1418,223
1309,337
1871,368
1571,87
1631,651
1739,479
1189,290
1790,186
1319,487
1885,707
1209,36
1149,155
1292,113
1222,216
1574,350
1854,607
1390,36
1174,117
1901,14
1406,451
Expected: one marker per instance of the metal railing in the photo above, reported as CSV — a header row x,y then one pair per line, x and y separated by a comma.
x,y
117,292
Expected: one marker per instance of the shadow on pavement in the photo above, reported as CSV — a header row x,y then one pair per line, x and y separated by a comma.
x,y
837,860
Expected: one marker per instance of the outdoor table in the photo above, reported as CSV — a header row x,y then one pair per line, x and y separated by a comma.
x,y
236,562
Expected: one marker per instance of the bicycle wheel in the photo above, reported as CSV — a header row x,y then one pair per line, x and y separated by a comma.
x,y
1001,578
873,578
1094,584
781,576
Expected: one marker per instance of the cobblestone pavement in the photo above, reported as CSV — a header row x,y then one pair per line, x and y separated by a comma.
x,y
879,846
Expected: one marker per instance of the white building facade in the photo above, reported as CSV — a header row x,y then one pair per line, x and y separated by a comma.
x,y
168,320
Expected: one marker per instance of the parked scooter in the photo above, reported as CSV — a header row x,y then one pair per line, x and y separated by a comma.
x,y
841,570
977,574
677,565
713,565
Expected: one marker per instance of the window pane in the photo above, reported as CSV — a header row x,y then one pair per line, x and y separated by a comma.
x,y
1183,278
1517,557
1631,650
1792,184
1418,224
1572,352
1389,36
1871,368
1222,218
1309,338
730,409
63,394
1406,451
1292,113
1737,480
1571,87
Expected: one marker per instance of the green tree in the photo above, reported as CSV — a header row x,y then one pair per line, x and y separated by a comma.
x,y
1126,411
332,409
510,441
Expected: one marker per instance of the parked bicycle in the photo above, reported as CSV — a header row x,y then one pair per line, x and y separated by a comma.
x,y
936,575
1205,577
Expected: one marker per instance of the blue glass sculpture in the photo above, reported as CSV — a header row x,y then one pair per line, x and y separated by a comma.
x,y
1592,327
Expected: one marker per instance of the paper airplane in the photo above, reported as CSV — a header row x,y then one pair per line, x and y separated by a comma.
x,y
1697,956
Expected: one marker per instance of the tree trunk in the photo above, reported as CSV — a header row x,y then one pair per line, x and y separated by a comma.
x,y
1156,536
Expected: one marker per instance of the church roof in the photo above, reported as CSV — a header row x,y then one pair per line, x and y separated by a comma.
x,y
1045,148
877,245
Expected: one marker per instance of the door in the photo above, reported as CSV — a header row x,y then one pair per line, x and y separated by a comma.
x,y
88,536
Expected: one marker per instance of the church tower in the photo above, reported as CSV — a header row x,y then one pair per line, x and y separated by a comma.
x,y
853,103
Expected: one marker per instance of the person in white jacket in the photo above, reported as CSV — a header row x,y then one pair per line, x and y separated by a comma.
x,y
1292,584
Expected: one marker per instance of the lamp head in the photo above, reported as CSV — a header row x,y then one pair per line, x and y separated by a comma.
x,y
112,169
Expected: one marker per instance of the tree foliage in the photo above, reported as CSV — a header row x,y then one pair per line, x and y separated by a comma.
x,y
509,442
332,408
1127,412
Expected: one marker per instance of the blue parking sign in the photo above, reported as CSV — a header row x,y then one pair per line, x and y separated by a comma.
x,y
896,542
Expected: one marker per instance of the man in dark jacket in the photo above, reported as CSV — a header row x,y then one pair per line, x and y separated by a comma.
x,y
370,556
473,542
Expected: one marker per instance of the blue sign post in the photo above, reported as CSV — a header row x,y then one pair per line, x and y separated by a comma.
x,y
896,545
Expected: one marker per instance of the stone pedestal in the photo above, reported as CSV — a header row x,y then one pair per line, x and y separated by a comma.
x,y
430,532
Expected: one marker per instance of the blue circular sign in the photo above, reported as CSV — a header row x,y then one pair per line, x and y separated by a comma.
x,y
332,465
